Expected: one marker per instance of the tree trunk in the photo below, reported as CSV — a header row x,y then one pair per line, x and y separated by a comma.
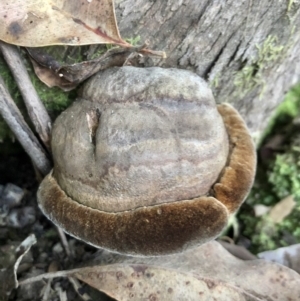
x,y
248,50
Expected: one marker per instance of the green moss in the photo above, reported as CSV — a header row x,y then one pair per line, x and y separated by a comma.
x,y
251,75
265,234
64,54
269,52
292,6
247,79
285,112
285,174
290,3
100,51
215,82
134,41
291,104
275,180
9,81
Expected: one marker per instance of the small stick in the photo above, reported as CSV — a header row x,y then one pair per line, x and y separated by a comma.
x,y
64,241
76,285
36,109
19,127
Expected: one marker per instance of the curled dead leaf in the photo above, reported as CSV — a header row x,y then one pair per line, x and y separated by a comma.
x,y
55,73
288,256
206,272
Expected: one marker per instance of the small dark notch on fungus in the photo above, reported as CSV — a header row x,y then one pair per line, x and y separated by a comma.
x,y
93,119
137,199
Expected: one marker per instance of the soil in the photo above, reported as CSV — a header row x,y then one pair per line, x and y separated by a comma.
x,y
47,254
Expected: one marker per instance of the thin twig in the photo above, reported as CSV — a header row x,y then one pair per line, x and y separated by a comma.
x,y
19,127
76,285
36,109
64,241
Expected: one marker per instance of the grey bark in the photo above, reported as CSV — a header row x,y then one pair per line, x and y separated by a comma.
x,y
247,50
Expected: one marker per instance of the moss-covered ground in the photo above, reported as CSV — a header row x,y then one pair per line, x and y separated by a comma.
x,y
278,176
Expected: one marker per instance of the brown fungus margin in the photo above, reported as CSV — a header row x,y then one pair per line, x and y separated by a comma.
x,y
237,177
166,228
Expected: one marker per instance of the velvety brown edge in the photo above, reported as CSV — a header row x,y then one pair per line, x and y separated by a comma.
x,y
237,178
158,230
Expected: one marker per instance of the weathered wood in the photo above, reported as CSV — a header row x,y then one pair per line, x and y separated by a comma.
x,y
35,108
21,130
248,50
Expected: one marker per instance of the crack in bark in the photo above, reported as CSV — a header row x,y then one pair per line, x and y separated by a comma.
x,y
213,63
205,6
217,56
233,56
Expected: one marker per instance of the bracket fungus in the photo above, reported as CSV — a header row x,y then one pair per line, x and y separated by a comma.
x,y
145,163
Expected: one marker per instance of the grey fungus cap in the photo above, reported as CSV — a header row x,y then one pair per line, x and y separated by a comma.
x,y
145,163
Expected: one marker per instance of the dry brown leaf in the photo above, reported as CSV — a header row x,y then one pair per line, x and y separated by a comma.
x,y
51,79
33,23
208,272
66,76
54,71
143,282
288,256
282,209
